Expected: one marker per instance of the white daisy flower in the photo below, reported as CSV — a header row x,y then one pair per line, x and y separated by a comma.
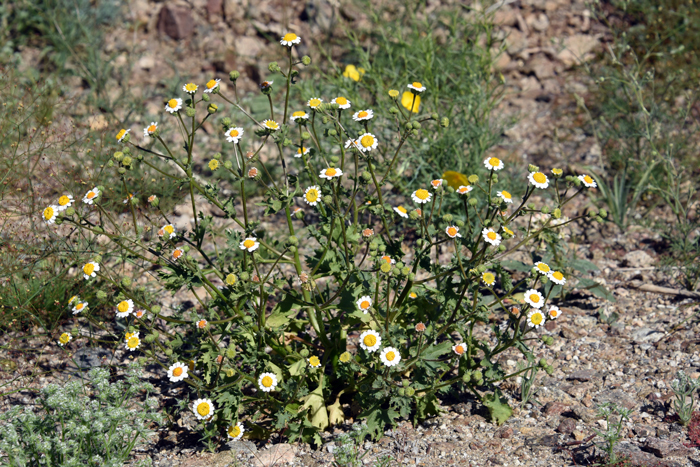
x,y
489,278
124,308
366,142
233,135
49,214
390,356
421,196
314,361
314,102
290,39
299,115
342,102
267,382
436,183
64,339
312,195
460,349
491,237
203,409
64,202
133,342
505,196
251,244
302,151
79,307
330,173
388,259
452,231
554,312
177,253
91,195
150,129
557,277
463,190
535,319
363,115
353,143
167,230
588,181
190,88
235,432
401,211
211,85
270,125
173,105
493,163
534,298
538,179
177,372
201,324
416,86
90,269
364,303
542,268
370,340
122,134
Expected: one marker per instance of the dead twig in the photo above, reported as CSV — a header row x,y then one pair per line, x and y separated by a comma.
x,y
639,285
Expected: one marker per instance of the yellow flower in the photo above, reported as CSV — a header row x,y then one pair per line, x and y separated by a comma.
x,y
64,339
455,179
353,73
393,93
213,164
345,357
411,101
231,279
314,362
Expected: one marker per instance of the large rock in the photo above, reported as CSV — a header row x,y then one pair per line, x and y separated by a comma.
x,y
637,259
577,49
666,448
175,21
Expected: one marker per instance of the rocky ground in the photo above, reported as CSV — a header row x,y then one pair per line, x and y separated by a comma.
x,y
630,362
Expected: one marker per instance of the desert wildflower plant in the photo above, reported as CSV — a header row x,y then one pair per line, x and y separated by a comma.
x,y
359,294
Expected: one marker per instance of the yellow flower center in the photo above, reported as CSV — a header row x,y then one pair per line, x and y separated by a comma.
x,y
151,128
536,318
169,228
557,275
543,267
451,231
370,340
213,164
312,196
177,253
48,213
314,361
390,356
89,268
459,350
203,409
402,209
539,177
299,113
422,194
289,37
172,103
314,102
491,235
64,338
557,171
489,278
231,279
345,357
341,101
233,133
191,87
201,324
63,200
462,190
587,179
417,84
123,306
249,243
553,313
507,230
534,298
364,305
211,83
252,172
301,150
387,259
506,195
133,342
331,172
393,93
413,295
234,431
362,114
79,306
121,134
494,162
177,371
367,141
271,124
267,381
91,194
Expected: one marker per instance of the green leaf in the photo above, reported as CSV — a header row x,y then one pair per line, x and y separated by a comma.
x,y
436,351
595,288
317,408
297,367
583,265
516,265
498,407
427,406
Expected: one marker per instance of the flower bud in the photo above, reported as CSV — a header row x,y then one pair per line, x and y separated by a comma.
x,y
415,132
155,308
411,277
577,181
405,270
332,132
205,98
549,369
557,213
304,352
447,217
230,353
401,392
533,168
69,212
459,223
127,160
327,199
126,282
121,170
228,165
306,60
234,75
245,276
472,201
393,110
501,247
150,338
247,319
190,112
226,122
434,116
168,352
531,205
413,215
416,125
299,215
74,332
118,155
382,248
110,163
273,67
386,267
603,213
410,392
101,295
305,135
293,249
229,372
212,108
445,122
473,179
545,210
